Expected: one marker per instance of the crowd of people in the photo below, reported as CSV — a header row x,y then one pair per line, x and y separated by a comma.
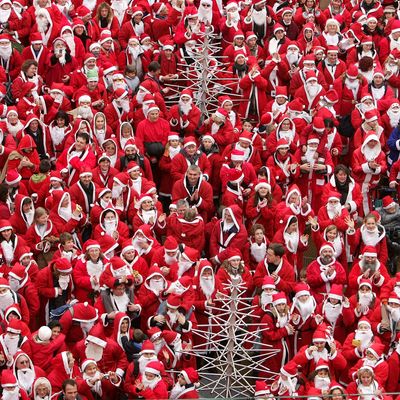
x,y
127,213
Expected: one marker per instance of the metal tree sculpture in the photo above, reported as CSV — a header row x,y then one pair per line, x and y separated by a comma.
x,y
233,354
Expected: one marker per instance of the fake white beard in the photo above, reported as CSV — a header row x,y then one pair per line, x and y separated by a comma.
x,y
151,384
185,107
289,384
312,90
119,6
170,259
309,155
291,241
135,51
6,300
143,361
177,288
90,4
392,68
332,312
258,251
122,302
8,251
317,355
173,317
42,24
85,112
139,28
11,394
62,59
94,269
14,284
116,191
156,286
279,107
322,383
26,377
394,313
306,308
57,135
14,129
173,151
235,18
370,238
397,290
246,150
100,135
86,327
65,212
394,118
333,210
352,85
288,135
149,215
140,96
5,52
94,351
4,15
265,298
63,281
365,107
378,93
207,285
214,128
97,386
69,38
183,267
37,397
282,319
292,58
176,391
371,154
365,299
110,226
227,226
369,363
259,17
11,343
365,338
159,345
205,14
124,104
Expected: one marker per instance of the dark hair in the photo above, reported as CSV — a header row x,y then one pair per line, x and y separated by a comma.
x,y
44,166
84,136
277,248
154,66
54,324
328,123
3,192
256,227
65,237
130,68
27,63
62,114
27,200
341,167
71,382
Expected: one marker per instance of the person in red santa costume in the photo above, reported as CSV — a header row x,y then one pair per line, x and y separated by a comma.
x,y
337,312
64,367
229,231
289,382
369,267
333,213
365,300
305,320
276,329
311,92
11,389
110,224
332,67
368,163
184,117
324,272
150,383
9,243
10,59
186,385
189,155
167,255
118,110
371,122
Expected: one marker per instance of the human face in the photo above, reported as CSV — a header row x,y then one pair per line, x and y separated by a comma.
x,y
287,18
366,378
55,332
372,25
280,34
60,122
181,210
104,164
153,115
271,257
31,71
331,235
71,391
34,125
283,151
110,148
363,327
71,360
323,373
91,369
42,390
378,80
191,149
285,125
94,253
331,28
80,144
393,305
247,126
252,42
206,272
137,18
149,376
22,362
320,345
327,253
119,290
104,12
78,30
240,60
107,44
332,56
134,174
235,262
68,245
370,224
7,234
193,177
341,176
124,326
147,205
281,308
86,179
175,143
365,289
292,227
42,220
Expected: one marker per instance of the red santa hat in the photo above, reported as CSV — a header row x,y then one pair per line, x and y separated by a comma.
x,y
117,263
302,289
122,178
278,27
393,298
352,72
365,282
224,99
8,379
36,38
319,336
230,254
279,298
262,183
313,139
190,375
90,244
108,67
208,137
84,312
83,11
239,53
105,36
388,202
289,370
326,245
86,363
331,96
168,45
127,246
97,336
132,166
262,389
332,49
171,244
285,10
12,177
281,91
321,364
170,337
250,34
154,367
62,265
238,34
5,225
119,94
190,254
364,320
147,347
318,124
231,4
158,7
152,107
378,71
237,155
246,136
136,10
144,197
221,113
18,271
334,196
336,292
296,105
367,40
154,333
15,326
189,141
76,23
268,282
376,349
22,252
117,75
311,76
370,251
371,115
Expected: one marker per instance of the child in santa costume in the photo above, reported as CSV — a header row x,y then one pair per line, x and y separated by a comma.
x,y
186,385
11,389
151,383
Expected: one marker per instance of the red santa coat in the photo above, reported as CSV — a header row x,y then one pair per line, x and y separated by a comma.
x,y
245,278
13,65
324,219
79,196
56,72
381,370
114,116
60,372
223,135
331,74
28,290
299,79
253,86
190,233
347,99
309,102
33,237
180,164
205,202
286,277
319,282
261,215
147,132
104,180
186,124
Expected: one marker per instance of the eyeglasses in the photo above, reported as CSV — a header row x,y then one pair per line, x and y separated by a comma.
x,y
206,5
